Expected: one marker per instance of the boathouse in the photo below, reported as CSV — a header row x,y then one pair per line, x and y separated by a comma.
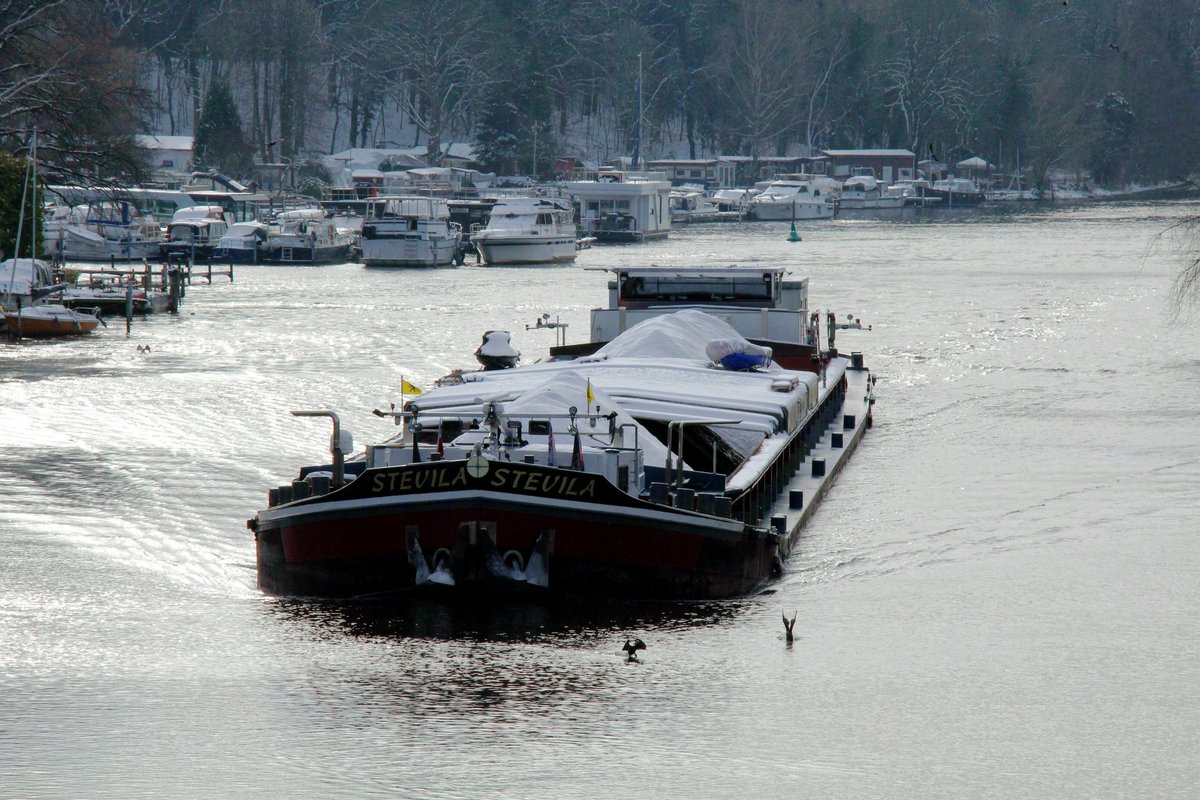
x,y
884,165
711,173
623,205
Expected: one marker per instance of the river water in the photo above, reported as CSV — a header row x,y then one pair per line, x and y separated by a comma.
x,y
999,598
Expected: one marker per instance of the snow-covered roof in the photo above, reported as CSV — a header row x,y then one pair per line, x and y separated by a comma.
x,y
974,162
880,153
154,141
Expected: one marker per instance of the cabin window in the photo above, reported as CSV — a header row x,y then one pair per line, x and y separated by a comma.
x,y
543,219
693,290
539,427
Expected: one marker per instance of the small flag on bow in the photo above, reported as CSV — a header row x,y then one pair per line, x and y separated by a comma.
x,y
577,454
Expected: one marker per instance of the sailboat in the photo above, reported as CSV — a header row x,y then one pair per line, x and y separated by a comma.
x,y
27,281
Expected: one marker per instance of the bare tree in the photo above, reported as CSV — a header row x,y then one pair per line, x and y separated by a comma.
x,y
924,82
63,72
441,68
823,64
759,67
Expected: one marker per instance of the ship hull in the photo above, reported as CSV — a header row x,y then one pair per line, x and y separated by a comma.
x,y
620,547
517,250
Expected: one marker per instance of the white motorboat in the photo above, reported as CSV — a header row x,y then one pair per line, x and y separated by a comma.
x,y
691,205
100,231
957,191
243,243
864,192
410,232
528,230
735,201
307,236
195,232
22,280
916,192
793,200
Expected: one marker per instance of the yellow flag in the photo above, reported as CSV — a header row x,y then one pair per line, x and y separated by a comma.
x,y
591,398
408,388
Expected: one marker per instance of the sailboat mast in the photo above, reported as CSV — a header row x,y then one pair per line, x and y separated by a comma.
x,y
637,125
34,205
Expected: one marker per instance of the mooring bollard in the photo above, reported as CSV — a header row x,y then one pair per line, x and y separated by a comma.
x,y
835,440
724,506
685,498
128,305
796,499
818,467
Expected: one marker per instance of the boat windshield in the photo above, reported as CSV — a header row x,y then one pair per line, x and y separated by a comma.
x,y
698,289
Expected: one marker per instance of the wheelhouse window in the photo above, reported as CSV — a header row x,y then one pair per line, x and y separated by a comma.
x,y
759,291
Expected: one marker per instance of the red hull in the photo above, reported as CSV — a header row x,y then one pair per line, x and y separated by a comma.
x,y
634,549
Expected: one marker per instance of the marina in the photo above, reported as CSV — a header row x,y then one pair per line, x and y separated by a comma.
x,y
440,400
1004,567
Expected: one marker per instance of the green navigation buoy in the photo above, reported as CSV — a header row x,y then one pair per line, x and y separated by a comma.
x,y
793,236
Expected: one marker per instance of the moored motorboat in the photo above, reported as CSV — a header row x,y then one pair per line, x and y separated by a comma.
x,y
194,232
793,200
410,232
44,320
957,191
865,193
100,231
243,243
633,465
306,236
528,230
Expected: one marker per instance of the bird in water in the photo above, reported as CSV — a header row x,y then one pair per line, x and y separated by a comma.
x,y
631,649
787,627
143,348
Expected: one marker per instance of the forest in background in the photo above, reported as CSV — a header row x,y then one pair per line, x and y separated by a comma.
x,y
1106,88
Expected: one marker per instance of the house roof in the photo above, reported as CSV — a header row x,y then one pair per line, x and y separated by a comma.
x,y
154,141
879,153
684,162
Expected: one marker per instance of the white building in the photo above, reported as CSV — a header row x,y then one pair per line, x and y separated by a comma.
x,y
170,155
